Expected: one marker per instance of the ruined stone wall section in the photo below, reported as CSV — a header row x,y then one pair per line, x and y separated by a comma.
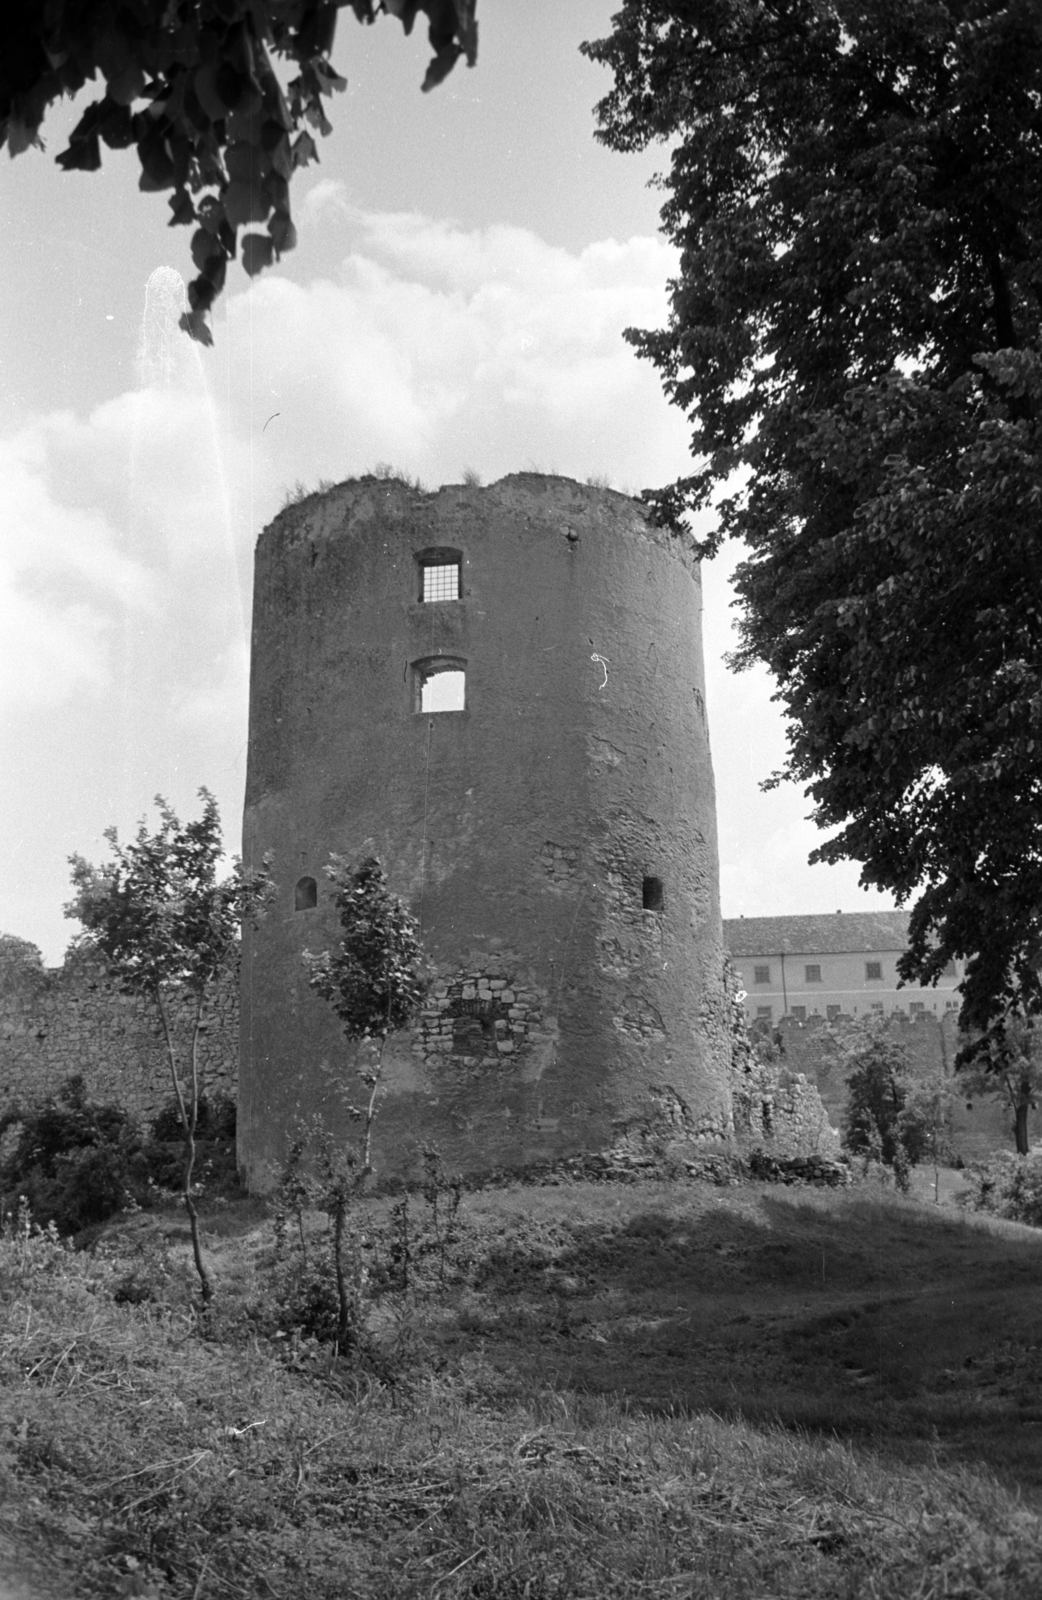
x,y
72,1020
781,1112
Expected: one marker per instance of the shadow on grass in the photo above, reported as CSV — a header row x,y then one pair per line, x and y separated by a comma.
x,y
859,1315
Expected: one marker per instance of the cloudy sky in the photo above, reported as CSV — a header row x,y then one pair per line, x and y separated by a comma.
x,y
467,261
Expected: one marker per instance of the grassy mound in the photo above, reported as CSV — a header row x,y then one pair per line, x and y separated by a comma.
x,y
584,1390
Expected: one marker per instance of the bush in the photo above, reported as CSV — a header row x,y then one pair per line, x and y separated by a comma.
x,y
884,1120
215,1121
76,1163
1006,1186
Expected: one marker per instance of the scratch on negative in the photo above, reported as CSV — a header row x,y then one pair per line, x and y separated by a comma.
x,y
603,660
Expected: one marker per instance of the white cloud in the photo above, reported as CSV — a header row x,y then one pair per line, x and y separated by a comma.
x,y
62,578
126,553
439,347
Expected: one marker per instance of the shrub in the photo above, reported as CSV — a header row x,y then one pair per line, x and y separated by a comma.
x,y
76,1163
216,1121
1007,1186
884,1121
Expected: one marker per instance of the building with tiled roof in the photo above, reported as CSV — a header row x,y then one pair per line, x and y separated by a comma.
x,y
829,966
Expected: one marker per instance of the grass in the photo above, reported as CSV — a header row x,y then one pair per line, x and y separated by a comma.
x,y
611,1390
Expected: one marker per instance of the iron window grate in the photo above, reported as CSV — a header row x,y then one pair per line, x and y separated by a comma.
x,y
441,582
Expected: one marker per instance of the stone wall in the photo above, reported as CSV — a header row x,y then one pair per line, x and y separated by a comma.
x,y
931,1043
72,1020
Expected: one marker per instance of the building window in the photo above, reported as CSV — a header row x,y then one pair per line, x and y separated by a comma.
x,y
812,974
440,684
305,895
877,1005
765,1013
916,1006
651,894
873,969
761,974
440,571
832,1012
800,1013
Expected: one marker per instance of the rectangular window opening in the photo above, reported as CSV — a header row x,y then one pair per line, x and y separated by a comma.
x,y
761,974
799,1012
651,894
812,974
765,1012
873,969
440,581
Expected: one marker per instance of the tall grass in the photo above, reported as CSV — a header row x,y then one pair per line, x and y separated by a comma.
x,y
155,1452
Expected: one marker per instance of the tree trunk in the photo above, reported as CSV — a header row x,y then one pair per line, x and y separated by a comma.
x,y
188,1116
1020,1128
339,1220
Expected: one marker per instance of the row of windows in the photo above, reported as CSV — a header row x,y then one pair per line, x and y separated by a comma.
x,y
915,1008
812,972
652,895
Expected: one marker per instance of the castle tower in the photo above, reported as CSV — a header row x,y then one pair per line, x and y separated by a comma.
x,y
499,692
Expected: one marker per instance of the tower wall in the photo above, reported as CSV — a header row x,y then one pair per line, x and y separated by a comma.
x,y
523,831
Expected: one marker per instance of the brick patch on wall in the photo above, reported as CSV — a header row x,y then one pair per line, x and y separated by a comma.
x,y
476,1020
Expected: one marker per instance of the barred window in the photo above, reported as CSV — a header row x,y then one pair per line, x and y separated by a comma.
x,y
440,574
812,974
442,582
873,969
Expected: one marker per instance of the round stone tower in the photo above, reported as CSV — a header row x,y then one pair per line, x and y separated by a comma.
x,y
499,693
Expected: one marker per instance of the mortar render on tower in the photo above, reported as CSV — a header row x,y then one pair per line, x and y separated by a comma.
x,y
500,693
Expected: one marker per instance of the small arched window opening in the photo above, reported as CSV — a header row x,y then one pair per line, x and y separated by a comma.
x,y
305,896
440,684
651,894
440,574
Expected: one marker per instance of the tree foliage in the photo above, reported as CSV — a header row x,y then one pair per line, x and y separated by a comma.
x,y
372,979
886,1120
373,982
193,85
856,193
165,923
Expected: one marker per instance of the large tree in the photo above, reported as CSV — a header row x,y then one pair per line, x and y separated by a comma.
x,y
855,189
193,84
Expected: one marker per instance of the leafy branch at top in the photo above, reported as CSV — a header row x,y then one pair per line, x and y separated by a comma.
x,y
192,84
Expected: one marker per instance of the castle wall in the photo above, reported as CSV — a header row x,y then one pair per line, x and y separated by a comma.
x,y
72,1020
563,1016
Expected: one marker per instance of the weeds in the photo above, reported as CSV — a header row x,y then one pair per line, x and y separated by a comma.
x,y
1007,1186
534,1456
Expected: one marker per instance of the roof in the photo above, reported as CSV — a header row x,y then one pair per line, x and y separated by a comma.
x,y
843,932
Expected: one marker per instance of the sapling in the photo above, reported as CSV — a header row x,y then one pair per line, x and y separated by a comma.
x,y
373,982
168,927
